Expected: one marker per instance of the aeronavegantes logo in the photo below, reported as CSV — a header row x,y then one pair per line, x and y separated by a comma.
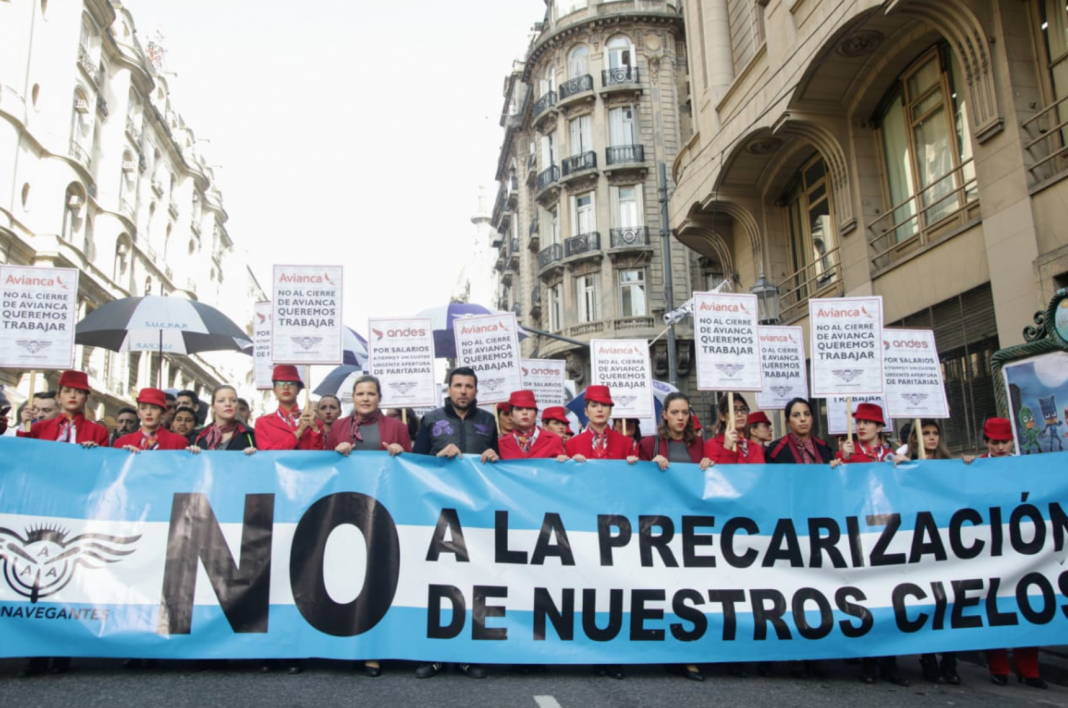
x,y
43,563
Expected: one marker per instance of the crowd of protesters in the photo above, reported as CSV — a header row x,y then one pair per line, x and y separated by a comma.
x,y
161,421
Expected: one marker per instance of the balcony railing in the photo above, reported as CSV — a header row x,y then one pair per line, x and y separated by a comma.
x,y
621,75
79,153
575,86
941,207
629,237
548,176
637,322
553,253
586,328
547,101
132,131
172,209
85,60
821,278
624,154
1048,141
579,163
583,243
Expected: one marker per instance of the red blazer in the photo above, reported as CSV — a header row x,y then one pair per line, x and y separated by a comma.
x,y
879,453
167,440
647,448
548,445
86,430
715,451
272,433
620,447
390,430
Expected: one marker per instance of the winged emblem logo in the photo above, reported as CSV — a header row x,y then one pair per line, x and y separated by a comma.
x,y
326,277
403,387
307,343
378,334
847,375
33,345
261,317
915,398
492,384
63,285
43,562
730,370
781,391
526,372
625,401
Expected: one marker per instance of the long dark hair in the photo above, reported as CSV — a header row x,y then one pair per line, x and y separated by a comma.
x,y
916,439
724,408
663,430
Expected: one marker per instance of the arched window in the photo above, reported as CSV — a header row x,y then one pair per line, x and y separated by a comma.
x,y
122,258
548,82
812,236
81,132
578,62
73,212
620,52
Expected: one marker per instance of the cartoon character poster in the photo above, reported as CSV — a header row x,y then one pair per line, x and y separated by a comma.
x,y
1038,401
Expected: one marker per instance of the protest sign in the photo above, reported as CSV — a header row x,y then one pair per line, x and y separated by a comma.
x,y
846,337
263,367
405,557
838,418
728,353
914,386
545,377
623,366
401,355
306,315
489,344
39,314
782,359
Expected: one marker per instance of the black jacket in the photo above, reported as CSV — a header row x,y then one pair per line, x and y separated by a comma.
x,y
474,434
781,452
243,437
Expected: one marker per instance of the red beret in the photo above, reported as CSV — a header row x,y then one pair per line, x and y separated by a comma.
x,y
523,399
600,394
74,379
870,412
757,417
286,372
555,413
696,421
153,396
997,429
504,407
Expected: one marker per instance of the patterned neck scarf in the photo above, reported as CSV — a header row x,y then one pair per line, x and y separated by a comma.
x,y
149,441
877,453
291,417
216,433
526,440
68,429
806,448
355,422
599,443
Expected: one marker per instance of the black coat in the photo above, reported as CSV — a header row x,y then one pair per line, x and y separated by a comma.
x,y
782,452
243,437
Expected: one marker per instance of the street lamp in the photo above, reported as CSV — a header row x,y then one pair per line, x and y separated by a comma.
x,y
767,294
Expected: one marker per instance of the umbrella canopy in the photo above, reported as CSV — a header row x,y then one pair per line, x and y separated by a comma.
x,y
355,349
441,321
333,381
170,325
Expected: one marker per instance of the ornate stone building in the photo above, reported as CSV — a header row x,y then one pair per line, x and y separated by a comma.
x,y
99,172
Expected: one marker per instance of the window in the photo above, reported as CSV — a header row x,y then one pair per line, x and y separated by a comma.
x,y
621,127
548,83
927,149
1053,17
554,225
813,238
589,303
578,62
556,307
620,52
581,135
627,207
548,151
583,216
1045,130
632,293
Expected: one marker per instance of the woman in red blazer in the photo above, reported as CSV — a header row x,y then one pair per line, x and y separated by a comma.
x,y
151,406
729,446
527,441
598,441
71,425
288,428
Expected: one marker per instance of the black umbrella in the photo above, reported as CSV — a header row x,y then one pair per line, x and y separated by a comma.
x,y
170,325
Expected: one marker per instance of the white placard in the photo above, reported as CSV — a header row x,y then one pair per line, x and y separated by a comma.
x,y
489,344
263,367
728,354
401,355
782,357
306,315
914,385
38,314
623,366
846,338
837,419
545,377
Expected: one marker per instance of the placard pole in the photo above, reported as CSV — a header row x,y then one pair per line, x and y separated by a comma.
x,y
918,432
730,414
849,418
307,385
29,401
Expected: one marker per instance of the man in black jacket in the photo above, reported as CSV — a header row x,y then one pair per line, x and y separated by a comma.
x,y
460,425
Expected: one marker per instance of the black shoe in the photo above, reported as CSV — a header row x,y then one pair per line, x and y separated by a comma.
x,y
372,671
266,667
815,669
1034,682
929,668
133,664
610,670
765,669
427,670
737,669
528,669
896,679
294,669
869,670
60,665
684,671
35,666
951,677
799,669
475,671
999,679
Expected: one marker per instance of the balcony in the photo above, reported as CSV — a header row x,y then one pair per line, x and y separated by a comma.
x,y
85,61
629,238
545,108
575,89
631,323
550,257
513,193
80,154
535,302
157,186
513,255
548,184
623,158
821,278
578,166
534,237
532,169
132,132
619,80
583,246
1047,143
586,328
937,212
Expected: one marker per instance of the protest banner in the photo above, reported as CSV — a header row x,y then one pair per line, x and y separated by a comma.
x,y
39,314
489,344
846,338
545,377
838,418
263,367
623,366
782,359
379,557
914,386
401,355
306,315
728,353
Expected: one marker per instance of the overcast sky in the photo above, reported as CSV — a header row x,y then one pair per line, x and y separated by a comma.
x,y
351,133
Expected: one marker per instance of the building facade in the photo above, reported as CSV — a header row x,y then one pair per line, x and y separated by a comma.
x,y
589,112
913,149
99,172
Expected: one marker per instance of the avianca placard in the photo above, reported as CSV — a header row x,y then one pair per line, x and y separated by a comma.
x,y
489,344
782,359
846,338
728,353
38,313
623,366
306,315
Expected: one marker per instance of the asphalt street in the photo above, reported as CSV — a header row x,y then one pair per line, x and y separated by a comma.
x,y
105,684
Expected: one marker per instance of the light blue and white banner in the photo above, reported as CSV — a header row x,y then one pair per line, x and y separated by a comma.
x,y
308,554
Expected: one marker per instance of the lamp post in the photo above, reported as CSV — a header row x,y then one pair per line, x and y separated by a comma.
x,y
767,294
